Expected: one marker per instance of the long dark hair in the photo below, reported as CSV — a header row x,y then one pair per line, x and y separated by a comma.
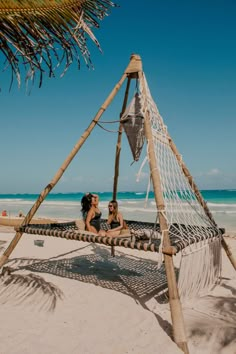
x,y
86,203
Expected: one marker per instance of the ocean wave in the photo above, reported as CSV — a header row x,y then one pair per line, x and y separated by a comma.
x,y
31,202
219,205
139,203
10,200
143,210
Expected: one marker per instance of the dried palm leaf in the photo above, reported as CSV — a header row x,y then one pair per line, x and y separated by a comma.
x,y
28,289
40,35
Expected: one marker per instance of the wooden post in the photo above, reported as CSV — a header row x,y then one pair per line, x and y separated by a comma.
x,y
132,73
190,180
118,149
200,198
118,144
174,299
66,163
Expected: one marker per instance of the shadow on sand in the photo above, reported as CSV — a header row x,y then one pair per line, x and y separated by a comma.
x,y
139,278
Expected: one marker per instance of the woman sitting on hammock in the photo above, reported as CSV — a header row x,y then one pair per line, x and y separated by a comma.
x,y
92,214
115,220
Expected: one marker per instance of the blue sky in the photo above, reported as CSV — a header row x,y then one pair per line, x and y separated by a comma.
x,y
188,50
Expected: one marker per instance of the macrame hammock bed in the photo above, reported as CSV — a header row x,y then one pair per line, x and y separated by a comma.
x,y
141,235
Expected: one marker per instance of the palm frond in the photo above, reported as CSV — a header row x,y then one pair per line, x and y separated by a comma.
x,y
28,289
38,36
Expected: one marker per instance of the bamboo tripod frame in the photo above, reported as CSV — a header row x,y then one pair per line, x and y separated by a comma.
x,y
118,149
133,71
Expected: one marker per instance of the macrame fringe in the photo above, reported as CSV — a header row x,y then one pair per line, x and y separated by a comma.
x,y
200,268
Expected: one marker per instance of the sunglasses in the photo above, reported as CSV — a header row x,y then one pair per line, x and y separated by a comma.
x,y
110,206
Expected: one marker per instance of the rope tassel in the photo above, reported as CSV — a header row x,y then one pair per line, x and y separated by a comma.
x,y
200,268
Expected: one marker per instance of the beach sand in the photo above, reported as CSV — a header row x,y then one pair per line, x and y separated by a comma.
x,y
73,297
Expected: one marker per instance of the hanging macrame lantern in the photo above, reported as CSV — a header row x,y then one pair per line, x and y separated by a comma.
x,y
133,123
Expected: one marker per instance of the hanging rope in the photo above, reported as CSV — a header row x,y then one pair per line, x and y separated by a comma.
x,y
109,122
182,208
107,130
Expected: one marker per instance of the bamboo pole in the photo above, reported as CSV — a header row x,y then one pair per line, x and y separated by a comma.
x,y
174,299
190,180
132,73
118,144
134,67
200,198
63,167
118,150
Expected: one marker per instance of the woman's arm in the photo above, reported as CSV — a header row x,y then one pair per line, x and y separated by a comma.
x,y
89,217
121,221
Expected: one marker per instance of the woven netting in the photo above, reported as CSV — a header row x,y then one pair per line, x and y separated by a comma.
x,y
185,216
142,235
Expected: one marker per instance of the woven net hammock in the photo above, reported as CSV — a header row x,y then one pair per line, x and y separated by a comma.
x,y
141,235
146,236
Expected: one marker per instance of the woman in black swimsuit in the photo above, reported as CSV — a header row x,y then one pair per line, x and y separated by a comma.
x,y
91,213
115,219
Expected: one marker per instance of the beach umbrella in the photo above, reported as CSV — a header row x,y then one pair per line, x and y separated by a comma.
x,y
38,36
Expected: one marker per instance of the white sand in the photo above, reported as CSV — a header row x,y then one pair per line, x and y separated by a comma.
x,y
72,297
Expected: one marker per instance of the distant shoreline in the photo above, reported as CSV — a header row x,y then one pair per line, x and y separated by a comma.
x,y
134,205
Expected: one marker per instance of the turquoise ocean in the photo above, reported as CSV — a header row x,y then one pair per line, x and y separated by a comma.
x,y
66,206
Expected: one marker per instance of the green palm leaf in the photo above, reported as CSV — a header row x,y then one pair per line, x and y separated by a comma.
x,y
37,36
